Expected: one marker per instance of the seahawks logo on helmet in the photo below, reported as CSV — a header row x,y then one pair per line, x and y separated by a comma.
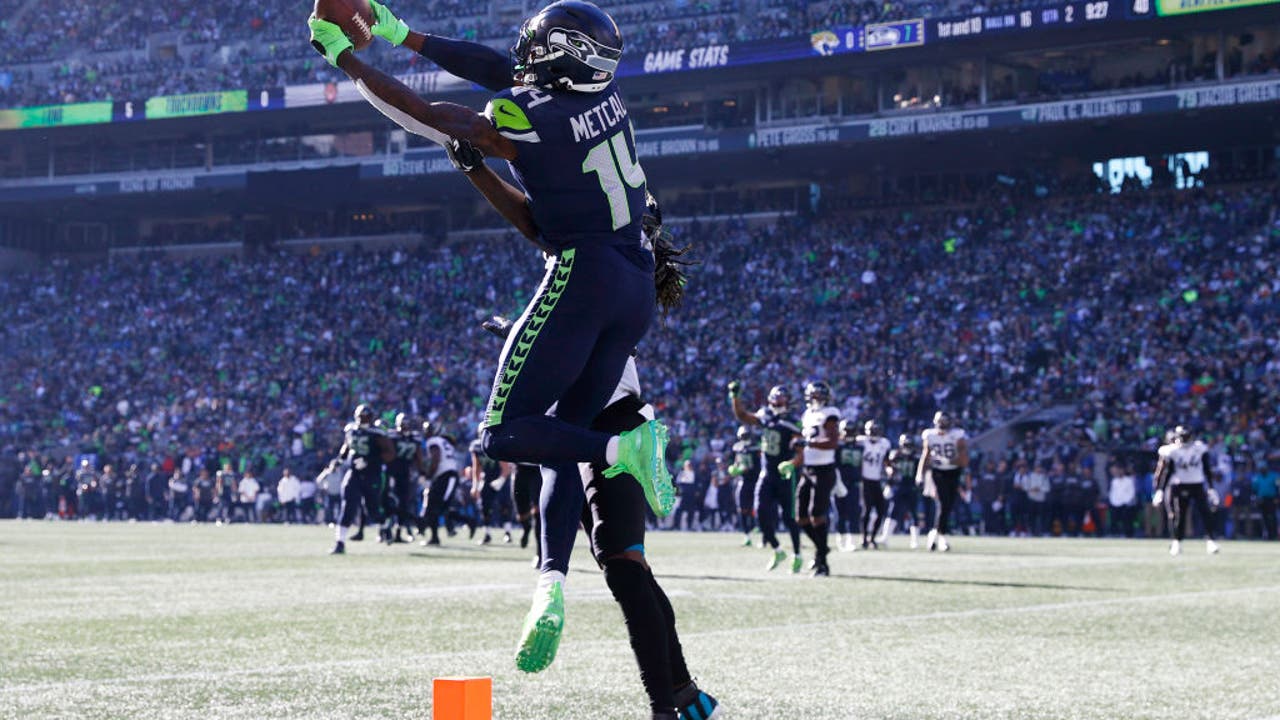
x,y
569,45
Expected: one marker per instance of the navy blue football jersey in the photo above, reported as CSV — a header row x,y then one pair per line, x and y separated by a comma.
x,y
576,161
363,448
776,434
407,445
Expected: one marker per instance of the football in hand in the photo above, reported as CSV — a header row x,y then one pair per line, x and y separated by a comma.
x,y
355,17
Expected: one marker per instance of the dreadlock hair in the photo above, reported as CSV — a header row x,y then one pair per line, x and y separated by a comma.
x,y
669,276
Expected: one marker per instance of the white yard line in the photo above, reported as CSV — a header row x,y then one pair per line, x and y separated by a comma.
x,y
505,651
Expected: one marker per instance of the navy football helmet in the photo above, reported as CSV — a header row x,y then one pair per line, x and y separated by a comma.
x,y
779,396
907,443
1182,435
873,429
942,420
364,415
568,45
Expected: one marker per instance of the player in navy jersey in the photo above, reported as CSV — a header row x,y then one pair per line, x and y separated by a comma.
x,y
613,513
903,462
404,486
745,460
560,121
490,489
849,465
775,490
365,448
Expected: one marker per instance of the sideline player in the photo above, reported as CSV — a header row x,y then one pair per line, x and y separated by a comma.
x,y
945,458
849,467
817,452
442,471
1184,473
773,490
745,470
365,448
903,462
404,486
490,490
875,457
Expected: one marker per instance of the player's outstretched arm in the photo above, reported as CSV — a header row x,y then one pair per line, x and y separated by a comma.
x,y
507,199
470,61
739,410
436,121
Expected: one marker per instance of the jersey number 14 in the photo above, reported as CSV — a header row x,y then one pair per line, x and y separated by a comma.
x,y
613,165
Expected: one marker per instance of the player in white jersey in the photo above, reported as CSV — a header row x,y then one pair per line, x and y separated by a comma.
x,y
943,461
442,469
1183,473
817,454
875,459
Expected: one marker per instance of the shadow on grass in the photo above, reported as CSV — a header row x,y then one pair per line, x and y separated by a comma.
x,y
974,583
714,578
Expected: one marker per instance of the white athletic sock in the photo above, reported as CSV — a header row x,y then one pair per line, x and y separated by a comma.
x,y
549,577
341,533
611,450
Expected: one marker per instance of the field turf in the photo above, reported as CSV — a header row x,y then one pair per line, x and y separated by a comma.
x,y
180,621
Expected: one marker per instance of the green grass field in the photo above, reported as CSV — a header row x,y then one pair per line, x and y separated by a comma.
x,y
165,621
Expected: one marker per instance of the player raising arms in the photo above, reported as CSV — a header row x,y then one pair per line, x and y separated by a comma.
x,y
560,121
945,457
1183,476
773,490
613,513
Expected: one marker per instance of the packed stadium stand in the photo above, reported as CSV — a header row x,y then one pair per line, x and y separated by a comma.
x,y
1035,232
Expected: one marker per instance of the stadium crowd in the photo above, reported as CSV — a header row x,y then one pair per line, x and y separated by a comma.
x,y
101,52
1141,309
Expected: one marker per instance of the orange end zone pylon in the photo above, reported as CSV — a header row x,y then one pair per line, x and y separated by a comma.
x,y
462,698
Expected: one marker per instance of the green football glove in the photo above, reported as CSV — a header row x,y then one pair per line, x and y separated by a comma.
x,y
386,25
735,389
787,468
734,470
328,39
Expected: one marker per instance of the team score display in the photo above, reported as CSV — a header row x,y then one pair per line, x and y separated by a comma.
x,y
771,442
1095,11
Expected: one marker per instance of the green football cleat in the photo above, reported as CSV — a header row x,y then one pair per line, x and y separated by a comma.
x,y
642,454
746,542
797,563
542,627
778,556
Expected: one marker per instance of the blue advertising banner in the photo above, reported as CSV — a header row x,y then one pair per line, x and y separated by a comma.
x,y
674,142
